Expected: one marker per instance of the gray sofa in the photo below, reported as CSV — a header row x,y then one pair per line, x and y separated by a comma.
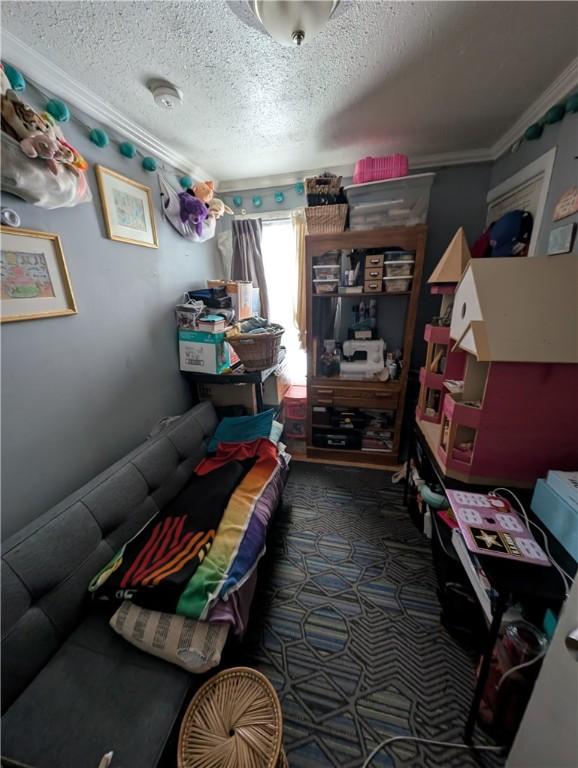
x,y
71,688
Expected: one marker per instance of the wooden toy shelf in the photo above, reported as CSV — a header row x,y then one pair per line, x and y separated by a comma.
x,y
373,395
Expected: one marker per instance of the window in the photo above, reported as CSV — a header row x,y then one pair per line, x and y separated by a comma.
x,y
281,272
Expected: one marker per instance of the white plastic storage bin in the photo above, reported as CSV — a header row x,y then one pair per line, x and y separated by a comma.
x,y
326,286
397,284
399,268
326,271
327,259
391,202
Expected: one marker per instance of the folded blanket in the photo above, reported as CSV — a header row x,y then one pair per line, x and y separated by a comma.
x,y
240,539
153,567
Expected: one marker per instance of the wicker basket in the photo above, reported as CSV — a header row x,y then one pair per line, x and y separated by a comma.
x,y
323,185
324,219
233,721
257,351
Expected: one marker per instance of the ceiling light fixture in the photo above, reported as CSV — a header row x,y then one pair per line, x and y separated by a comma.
x,y
165,94
293,22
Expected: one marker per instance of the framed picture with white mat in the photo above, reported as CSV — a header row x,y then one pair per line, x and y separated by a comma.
x,y
34,278
127,207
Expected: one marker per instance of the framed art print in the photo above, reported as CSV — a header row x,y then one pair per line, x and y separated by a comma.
x,y
34,278
128,209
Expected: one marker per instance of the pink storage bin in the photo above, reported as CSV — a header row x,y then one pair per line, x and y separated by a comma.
x,y
379,168
295,429
295,402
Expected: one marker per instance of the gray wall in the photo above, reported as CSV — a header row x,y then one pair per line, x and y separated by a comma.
x,y
458,199
78,392
564,136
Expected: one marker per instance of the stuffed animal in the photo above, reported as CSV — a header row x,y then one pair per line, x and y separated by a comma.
x,y
218,208
43,146
204,190
37,134
19,120
193,210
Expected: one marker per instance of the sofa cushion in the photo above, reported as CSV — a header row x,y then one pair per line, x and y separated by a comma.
x,y
47,566
96,694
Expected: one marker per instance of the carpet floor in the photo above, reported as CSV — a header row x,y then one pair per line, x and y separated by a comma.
x,y
346,627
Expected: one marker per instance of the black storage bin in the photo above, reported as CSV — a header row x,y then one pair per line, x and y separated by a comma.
x,y
346,440
214,298
345,418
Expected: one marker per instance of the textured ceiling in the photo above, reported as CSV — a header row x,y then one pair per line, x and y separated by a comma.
x,y
419,78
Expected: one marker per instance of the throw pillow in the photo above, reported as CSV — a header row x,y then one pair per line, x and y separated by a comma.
x,y
193,645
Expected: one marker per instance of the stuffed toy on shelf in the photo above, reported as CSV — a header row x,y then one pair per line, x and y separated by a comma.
x,y
218,208
204,191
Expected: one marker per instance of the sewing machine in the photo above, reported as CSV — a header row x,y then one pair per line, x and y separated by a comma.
x,y
365,358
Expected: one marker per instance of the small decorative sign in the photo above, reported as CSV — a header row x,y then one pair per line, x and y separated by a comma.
x,y
561,239
567,204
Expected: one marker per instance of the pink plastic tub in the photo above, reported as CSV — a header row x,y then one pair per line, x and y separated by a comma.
x,y
379,168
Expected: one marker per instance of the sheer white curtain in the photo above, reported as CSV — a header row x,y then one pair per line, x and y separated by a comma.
x,y
280,261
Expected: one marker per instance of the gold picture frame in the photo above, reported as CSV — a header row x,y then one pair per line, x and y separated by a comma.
x,y
34,278
128,209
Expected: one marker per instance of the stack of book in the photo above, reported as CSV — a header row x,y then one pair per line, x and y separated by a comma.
x,y
211,324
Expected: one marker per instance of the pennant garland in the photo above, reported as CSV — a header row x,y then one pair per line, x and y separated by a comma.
x,y
278,196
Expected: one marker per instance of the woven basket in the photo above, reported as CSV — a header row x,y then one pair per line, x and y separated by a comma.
x,y
323,185
324,219
257,351
233,721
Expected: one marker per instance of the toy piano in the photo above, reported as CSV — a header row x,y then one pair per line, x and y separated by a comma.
x,y
491,527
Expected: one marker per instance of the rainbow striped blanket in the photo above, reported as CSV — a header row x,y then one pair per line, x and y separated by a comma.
x,y
204,545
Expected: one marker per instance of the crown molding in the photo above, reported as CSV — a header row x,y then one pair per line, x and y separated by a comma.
x,y
562,86
50,77
47,75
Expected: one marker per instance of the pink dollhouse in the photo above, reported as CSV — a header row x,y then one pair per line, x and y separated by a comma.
x,y
443,365
515,320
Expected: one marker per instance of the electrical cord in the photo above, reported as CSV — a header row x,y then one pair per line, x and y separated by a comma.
x,y
519,666
385,742
566,578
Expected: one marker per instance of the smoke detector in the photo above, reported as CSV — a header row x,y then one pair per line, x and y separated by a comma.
x,y
293,22
166,95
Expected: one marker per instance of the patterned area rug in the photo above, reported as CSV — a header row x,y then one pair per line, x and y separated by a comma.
x,y
347,628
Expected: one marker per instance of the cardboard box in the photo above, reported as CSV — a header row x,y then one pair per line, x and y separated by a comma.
x,y
203,352
276,385
241,293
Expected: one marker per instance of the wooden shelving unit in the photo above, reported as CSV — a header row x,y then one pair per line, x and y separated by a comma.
x,y
374,395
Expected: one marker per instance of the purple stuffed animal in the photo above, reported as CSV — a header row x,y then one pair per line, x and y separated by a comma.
x,y
193,211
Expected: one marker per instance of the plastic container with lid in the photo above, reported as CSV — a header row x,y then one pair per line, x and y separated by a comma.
x,y
523,641
399,255
326,271
399,268
295,428
327,258
326,286
401,201
397,284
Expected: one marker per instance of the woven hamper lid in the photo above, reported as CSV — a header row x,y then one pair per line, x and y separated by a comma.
x,y
234,720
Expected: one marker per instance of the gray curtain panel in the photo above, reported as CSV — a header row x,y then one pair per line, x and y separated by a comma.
x,y
248,257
